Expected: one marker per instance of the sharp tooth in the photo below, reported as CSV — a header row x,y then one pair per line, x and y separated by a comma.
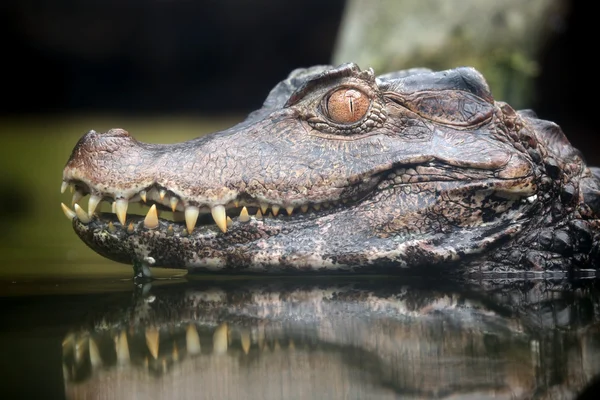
x,y
236,203
174,200
93,203
220,217
317,207
113,207
152,340
229,222
121,210
130,228
192,339
151,220
170,231
95,358
111,227
122,349
304,207
82,215
275,210
289,210
162,194
63,187
244,216
245,339
143,195
76,197
68,212
220,339
258,214
263,208
191,216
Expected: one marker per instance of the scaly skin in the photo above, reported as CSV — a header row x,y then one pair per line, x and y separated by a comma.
x,y
414,169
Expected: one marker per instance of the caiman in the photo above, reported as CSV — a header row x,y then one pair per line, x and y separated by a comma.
x,y
342,170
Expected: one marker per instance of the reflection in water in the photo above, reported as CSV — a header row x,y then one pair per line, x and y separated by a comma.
x,y
338,338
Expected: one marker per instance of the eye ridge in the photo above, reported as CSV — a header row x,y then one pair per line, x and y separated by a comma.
x,y
347,105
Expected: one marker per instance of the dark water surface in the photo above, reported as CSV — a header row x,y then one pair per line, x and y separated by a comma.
x,y
288,338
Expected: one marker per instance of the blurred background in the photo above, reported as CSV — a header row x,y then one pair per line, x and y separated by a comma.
x,y
170,70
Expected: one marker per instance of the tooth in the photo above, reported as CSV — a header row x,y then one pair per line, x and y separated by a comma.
x,y
82,215
130,228
152,340
220,217
121,210
220,339
304,208
122,349
71,188
174,200
275,210
245,339
151,220
68,212
63,187
93,203
162,194
264,207
95,358
114,207
191,216
143,195
76,197
244,217
229,222
236,203
289,210
111,227
192,339
317,207
258,214
170,231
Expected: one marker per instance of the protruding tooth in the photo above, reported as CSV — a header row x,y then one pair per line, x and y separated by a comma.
x,y
121,210
174,200
245,339
95,358
111,227
81,215
143,195
76,197
220,217
229,222
304,208
152,340
93,203
275,210
191,216
220,339
317,207
63,187
113,207
244,216
68,212
122,349
263,208
151,220
162,194
258,214
289,210
192,339
130,228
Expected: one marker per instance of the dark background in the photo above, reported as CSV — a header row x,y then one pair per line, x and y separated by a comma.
x,y
210,57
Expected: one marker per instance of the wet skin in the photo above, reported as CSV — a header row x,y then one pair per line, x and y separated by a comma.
x,y
344,171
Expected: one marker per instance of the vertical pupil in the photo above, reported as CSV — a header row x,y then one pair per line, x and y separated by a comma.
x,y
347,106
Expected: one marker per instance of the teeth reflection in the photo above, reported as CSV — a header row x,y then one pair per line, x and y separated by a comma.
x,y
229,222
93,203
70,214
175,352
114,207
152,341
95,358
122,349
81,215
121,210
220,339
245,339
192,339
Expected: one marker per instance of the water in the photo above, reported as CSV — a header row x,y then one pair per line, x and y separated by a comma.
x,y
74,325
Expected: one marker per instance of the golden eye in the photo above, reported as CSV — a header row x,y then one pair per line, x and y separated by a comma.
x,y
347,106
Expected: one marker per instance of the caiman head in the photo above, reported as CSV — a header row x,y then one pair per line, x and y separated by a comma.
x,y
342,170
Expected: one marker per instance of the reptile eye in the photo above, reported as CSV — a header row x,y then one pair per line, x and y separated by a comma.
x,y
347,106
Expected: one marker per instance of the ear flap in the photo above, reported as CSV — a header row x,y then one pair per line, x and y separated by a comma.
x,y
551,135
